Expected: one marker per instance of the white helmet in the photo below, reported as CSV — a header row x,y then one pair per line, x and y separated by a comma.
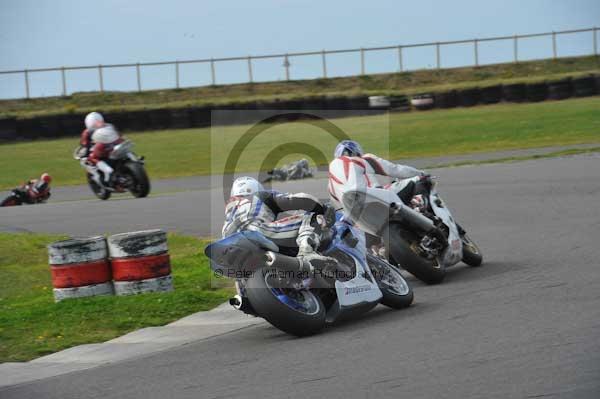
x,y
245,186
94,120
105,135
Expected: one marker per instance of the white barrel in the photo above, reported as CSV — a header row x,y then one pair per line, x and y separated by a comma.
x,y
140,262
79,267
138,243
160,284
379,102
77,250
84,291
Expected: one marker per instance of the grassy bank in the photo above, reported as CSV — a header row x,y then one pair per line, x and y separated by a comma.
x,y
174,153
32,325
392,83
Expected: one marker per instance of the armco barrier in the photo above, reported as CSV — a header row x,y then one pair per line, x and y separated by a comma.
x,y
140,262
80,268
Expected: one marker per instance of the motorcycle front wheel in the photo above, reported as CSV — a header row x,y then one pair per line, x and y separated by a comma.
x,y
396,292
299,312
100,192
471,253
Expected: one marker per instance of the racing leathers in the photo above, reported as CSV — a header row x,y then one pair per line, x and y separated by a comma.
x,y
260,211
368,172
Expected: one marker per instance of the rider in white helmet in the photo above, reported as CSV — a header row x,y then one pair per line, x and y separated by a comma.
x,y
251,207
93,121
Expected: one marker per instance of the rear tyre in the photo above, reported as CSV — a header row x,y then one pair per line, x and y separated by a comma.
x,y
297,312
100,192
471,253
397,294
426,270
11,200
140,183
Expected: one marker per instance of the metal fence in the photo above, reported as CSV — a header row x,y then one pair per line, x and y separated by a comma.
x,y
286,63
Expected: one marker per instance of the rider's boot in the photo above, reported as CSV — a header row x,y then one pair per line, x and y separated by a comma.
x,y
106,171
309,239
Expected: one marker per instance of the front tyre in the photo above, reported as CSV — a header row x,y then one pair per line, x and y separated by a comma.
x,y
471,253
99,191
140,184
295,311
11,200
397,294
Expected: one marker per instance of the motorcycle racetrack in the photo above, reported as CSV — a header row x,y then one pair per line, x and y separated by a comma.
x,y
526,324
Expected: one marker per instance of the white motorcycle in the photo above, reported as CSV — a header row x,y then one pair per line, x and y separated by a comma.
x,y
128,172
423,237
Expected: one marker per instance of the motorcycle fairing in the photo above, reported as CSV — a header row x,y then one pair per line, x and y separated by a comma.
x,y
243,251
453,253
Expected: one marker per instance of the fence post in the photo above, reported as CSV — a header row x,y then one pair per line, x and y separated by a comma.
x,y
177,74
212,72
250,69
101,78
400,58
139,78
362,61
324,61
554,53
476,50
595,32
26,75
437,55
286,65
516,48
64,81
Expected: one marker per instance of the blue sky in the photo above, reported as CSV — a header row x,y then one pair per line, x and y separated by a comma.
x,y
48,33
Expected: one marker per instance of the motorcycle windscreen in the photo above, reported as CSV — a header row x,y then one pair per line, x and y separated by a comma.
x,y
370,210
243,251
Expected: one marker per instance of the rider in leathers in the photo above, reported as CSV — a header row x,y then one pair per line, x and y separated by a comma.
x,y
352,168
250,207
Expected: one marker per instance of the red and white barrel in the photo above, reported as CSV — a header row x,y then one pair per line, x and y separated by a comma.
x,y
80,268
140,262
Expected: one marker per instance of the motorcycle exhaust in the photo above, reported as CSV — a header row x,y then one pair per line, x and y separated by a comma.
x,y
287,263
236,302
406,214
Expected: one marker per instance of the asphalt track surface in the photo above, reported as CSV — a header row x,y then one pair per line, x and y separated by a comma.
x,y
524,325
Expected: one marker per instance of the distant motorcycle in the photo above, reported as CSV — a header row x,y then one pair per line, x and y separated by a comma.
x,y
292,171
423,237
297,299
24,195
129,172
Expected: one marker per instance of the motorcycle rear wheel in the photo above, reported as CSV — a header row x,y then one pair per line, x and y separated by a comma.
x,y
296,312
141,183
11,200
430,271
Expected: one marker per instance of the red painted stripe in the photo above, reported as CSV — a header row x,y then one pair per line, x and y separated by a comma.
x,y
335,179
140,268
375,165
333,195
80,274
346,162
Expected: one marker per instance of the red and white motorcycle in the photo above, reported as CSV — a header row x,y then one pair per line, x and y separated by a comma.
x,y
418,230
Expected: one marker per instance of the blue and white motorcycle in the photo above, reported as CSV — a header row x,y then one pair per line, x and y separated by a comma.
x,y
294,297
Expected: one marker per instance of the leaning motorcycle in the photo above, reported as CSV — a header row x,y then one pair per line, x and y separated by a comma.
x,y
291,295
20,196
129,172
423,237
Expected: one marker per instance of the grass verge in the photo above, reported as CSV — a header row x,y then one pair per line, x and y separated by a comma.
x,y
32,325
189,152
431,80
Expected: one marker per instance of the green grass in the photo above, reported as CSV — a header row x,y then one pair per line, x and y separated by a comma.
x,y
32,325
190,152
431,80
